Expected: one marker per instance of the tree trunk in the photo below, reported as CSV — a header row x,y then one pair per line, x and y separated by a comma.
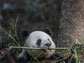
x,y
72,23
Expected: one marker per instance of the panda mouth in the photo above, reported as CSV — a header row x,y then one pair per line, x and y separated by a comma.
x,y
45,49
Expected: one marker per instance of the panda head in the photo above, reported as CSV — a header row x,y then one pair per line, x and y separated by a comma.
x,y
38,39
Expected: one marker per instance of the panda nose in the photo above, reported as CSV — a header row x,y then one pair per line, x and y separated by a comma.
x,y
48,44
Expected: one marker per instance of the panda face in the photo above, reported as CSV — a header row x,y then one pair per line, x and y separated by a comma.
x,y
39,39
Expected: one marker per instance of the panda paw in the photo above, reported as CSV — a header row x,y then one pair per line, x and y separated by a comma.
x,y
21,60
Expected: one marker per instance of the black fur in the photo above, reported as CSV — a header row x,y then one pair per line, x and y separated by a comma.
x,y
38,42
48,31
29,58
23,34
24,60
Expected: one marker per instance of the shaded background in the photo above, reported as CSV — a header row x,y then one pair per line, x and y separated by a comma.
x,y
33,15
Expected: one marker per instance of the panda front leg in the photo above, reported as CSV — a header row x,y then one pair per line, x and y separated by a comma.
x,y
24,57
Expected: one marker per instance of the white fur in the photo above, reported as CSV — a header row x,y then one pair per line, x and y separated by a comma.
x,y
31,41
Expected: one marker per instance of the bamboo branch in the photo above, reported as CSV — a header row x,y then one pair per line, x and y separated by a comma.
x,y
18,47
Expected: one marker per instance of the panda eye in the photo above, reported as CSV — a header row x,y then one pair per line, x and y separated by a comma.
x,y
48,40
38,42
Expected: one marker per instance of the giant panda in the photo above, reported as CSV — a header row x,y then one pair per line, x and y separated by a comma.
x,y
36,39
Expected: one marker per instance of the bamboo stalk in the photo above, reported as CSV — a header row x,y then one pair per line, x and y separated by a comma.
x,y
18,47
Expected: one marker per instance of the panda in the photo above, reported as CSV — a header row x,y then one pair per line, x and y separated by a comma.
x,y
36,39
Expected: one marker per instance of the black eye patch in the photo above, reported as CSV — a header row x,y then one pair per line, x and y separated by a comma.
x,y
39,42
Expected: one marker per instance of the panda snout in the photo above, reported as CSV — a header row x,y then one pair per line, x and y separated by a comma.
x,y
48,44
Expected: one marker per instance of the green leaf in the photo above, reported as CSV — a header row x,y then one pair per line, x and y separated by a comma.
x,y
16,21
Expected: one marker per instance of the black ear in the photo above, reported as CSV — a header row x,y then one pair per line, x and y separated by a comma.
x,y
48,31
23,34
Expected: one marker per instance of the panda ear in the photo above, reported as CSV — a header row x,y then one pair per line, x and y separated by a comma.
x,y
23,34
48,31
